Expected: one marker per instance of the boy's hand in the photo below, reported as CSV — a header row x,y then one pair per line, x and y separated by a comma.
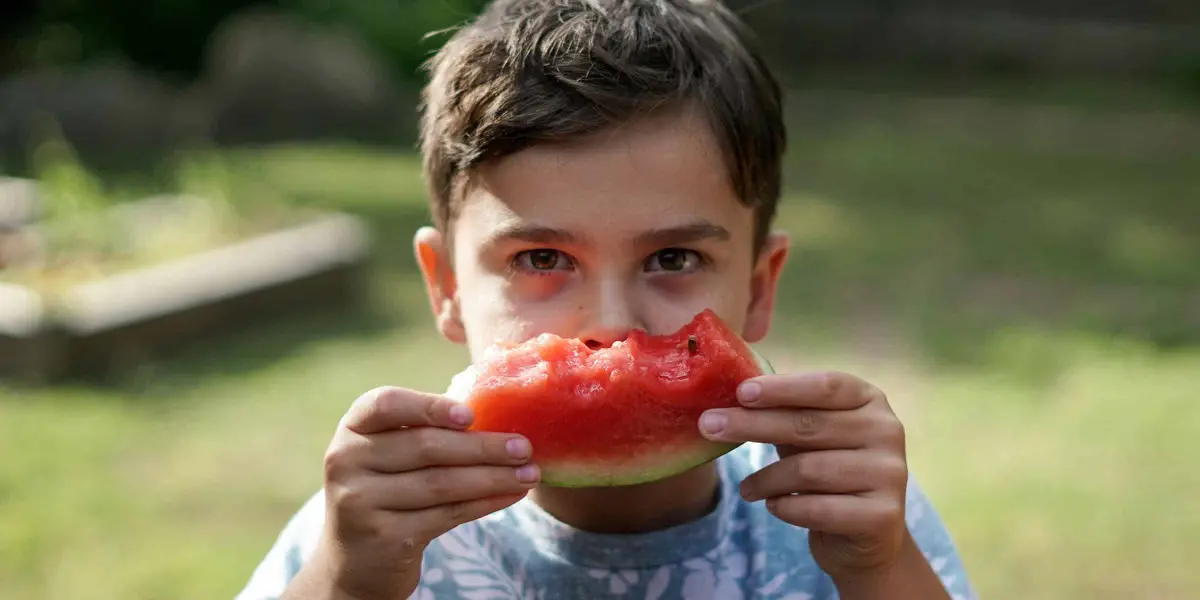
x,y
842,472
399,473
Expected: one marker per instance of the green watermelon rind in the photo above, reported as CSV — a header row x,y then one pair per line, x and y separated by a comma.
x,y
593,475
689,456
762,362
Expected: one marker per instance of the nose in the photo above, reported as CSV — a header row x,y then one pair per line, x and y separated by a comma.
x,y
611,315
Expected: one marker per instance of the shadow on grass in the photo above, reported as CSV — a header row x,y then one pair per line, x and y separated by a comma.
x,y
949,221
394,300
939,223
945,288
233,353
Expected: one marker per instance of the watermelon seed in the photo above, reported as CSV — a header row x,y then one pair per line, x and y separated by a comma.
x,y
692,346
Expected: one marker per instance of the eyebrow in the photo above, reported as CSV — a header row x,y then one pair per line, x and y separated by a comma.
x,y
534,234
666,236
683,234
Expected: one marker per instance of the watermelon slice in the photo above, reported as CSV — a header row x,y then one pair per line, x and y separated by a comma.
x,y
620,415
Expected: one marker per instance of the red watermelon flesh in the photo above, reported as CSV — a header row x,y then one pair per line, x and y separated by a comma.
x,y
620,415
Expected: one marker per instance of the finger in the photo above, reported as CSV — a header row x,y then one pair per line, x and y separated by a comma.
x,y
449,516
389,408
829,391
811,429
436,486
839,514
827,472
420,447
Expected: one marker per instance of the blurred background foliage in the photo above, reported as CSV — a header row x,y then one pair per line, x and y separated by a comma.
x,y
166,74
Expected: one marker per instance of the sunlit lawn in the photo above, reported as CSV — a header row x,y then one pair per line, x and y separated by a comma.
x,y
1064,459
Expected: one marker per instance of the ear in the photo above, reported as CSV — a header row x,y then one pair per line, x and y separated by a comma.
x,y
763,285
433,257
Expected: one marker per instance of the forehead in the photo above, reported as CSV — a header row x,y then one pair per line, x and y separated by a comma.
x,y
656,172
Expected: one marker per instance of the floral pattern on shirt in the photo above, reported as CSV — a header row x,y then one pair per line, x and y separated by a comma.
x,y
740,552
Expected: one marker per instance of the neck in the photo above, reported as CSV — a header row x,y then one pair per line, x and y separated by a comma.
x,y
634,509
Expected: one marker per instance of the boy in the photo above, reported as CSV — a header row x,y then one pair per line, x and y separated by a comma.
x,y
597,166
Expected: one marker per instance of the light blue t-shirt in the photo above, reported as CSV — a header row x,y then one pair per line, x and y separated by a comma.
x,y
739,551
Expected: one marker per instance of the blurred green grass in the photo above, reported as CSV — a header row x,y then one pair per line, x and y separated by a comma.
x,y
1026,293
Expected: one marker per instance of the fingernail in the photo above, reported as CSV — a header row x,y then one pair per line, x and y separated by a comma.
x,y
461,415
748,392
518,448
529,474
713,422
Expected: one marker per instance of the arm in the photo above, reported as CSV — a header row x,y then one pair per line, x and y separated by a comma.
x,y
843,476
910,578
400,471
928,566
315,581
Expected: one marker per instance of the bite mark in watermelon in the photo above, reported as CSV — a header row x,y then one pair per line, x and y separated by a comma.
x,y
620,415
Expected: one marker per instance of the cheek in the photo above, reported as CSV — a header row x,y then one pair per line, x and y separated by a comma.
x,y
534,288
495,309
484,309
674,304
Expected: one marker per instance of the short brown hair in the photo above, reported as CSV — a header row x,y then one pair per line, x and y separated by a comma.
x,y
530,71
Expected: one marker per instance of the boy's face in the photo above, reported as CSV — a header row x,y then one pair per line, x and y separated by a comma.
x,y
634,227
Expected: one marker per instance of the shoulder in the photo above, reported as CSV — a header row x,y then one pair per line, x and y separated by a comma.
x,y
292,547
936,543
924,522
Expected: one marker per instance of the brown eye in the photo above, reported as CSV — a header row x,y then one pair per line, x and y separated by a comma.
x,y
542,260
673,259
